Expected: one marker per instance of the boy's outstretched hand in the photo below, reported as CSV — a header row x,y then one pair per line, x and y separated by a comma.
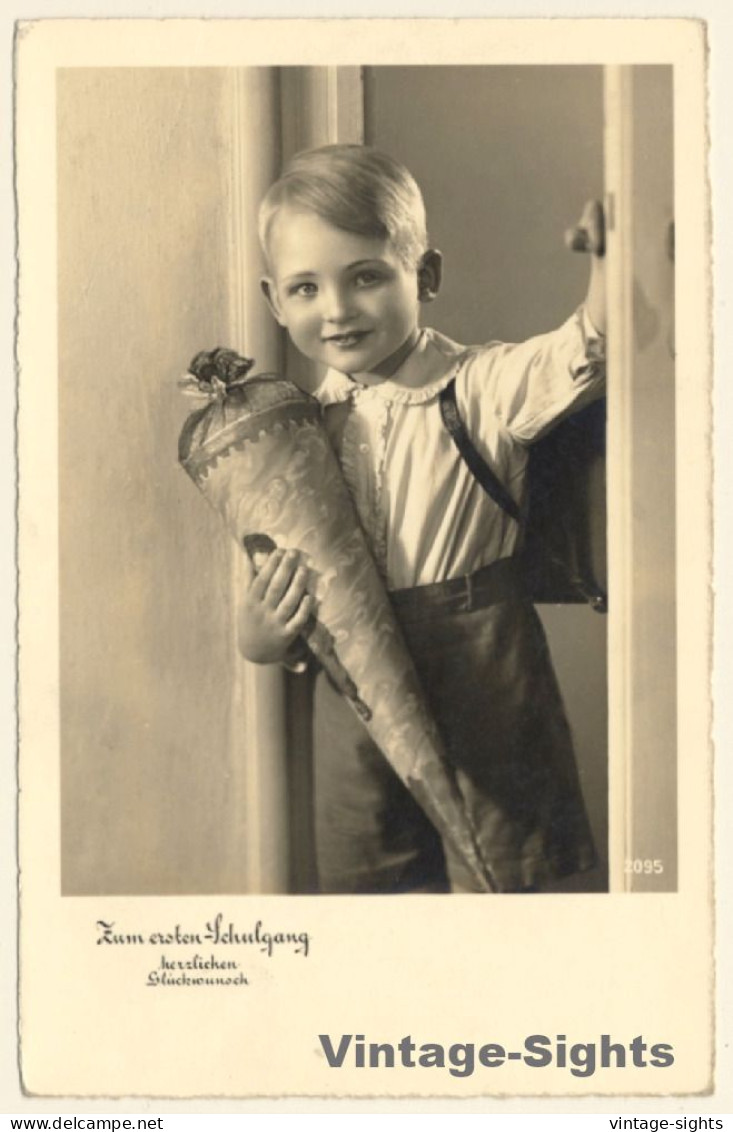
x,y
274,607
589,234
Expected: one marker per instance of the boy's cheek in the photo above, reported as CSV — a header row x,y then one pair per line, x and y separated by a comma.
x,y
303,336
308,346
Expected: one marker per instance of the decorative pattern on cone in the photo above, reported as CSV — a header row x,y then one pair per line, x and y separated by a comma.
x,y
260,455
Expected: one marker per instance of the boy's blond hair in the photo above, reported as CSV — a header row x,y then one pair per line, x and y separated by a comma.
x,y
356,188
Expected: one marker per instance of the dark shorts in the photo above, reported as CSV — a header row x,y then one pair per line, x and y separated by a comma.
x,y
488,677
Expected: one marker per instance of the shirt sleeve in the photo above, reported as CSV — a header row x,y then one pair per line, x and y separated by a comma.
x,y
532,385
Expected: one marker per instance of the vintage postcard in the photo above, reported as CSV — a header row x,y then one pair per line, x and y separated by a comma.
x,y
365,705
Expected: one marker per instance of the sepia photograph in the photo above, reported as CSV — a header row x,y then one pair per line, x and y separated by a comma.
x,y
382,711
361,547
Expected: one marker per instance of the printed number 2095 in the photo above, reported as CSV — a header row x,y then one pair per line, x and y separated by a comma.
x,y
644,866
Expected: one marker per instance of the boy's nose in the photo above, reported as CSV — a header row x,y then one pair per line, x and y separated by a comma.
x,y
337,306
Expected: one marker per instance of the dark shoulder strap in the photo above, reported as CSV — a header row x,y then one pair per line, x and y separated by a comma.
x,y
492,485
481,471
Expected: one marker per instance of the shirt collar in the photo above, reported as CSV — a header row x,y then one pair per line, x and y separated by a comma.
x,y
422,375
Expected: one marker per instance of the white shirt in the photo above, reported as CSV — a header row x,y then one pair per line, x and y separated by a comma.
x,y
426,517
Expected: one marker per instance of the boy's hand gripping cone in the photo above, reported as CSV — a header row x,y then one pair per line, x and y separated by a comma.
x,y
259,453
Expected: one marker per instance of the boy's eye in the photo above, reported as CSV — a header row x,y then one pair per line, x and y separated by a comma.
x,y
305,289
367,277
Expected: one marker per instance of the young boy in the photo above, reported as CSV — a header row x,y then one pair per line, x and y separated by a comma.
x,y
349,266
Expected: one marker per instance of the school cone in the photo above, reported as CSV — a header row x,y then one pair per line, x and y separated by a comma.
x,y
260,455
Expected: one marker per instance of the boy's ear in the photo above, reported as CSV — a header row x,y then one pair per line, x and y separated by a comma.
x,y
429,275
269,290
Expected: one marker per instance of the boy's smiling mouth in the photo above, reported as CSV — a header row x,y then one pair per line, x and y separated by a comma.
x,y
348,338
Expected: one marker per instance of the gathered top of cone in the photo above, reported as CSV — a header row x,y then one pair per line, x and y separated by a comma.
x,y
238,406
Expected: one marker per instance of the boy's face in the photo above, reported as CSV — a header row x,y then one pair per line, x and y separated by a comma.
x,y
347,301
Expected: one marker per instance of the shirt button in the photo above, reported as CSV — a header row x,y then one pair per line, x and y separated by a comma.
x,y
363,447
